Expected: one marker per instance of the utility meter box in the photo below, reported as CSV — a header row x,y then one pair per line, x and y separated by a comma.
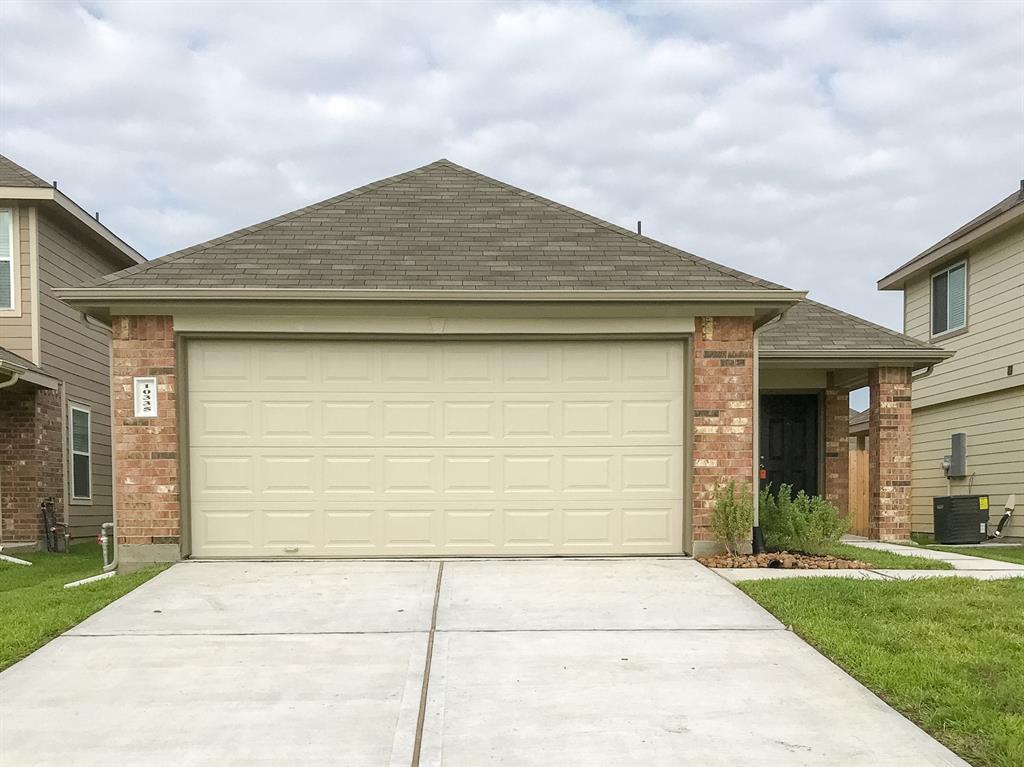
x,y
958,455
960,518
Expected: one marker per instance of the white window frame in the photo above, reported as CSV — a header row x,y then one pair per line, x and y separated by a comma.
x,y
931,299
78,499
14,310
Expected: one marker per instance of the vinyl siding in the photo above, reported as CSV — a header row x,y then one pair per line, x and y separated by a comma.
x,y
995,324
78,353
994,424
16,331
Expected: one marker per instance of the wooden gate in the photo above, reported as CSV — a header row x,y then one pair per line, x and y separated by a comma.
x,y
859,492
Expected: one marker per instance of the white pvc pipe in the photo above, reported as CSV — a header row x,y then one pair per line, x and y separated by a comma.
x,y
14,560
90,579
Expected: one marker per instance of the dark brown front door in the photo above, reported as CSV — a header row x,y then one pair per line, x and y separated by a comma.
x,y
789,441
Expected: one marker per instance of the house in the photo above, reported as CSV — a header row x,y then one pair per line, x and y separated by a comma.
x,y
439,363
54,361
966,292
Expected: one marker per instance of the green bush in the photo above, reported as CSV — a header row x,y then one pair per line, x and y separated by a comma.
x,y
733,517
805,523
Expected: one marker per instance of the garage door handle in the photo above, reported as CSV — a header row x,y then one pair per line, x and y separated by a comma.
x,y
291,549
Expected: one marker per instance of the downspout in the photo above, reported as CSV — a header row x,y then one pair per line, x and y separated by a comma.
x,y
109,567
923,373
757,543
15,377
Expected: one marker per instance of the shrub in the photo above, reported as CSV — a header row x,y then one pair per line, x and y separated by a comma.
x,y
805,523
733,517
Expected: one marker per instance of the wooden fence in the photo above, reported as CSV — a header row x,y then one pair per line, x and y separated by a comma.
x,y
859,492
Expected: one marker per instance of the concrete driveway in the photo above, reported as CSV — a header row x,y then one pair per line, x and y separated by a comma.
x,y
553,662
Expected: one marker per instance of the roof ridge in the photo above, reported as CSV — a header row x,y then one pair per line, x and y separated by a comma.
x,y
610,226
237,233
875,325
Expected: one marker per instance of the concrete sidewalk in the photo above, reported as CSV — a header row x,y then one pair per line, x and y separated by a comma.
x,y
644,661
964,566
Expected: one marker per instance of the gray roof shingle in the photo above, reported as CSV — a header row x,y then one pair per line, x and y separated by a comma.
x,y
438,227
809,326
12,174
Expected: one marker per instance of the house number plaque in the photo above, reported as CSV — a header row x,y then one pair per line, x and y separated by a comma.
x,y
145,397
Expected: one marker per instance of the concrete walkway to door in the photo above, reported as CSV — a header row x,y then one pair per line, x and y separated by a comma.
x,y
643,661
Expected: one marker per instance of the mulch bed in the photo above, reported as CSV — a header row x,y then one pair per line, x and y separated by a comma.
x,y
784,560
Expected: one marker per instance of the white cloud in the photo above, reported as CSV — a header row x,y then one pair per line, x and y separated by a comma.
x,y
816,144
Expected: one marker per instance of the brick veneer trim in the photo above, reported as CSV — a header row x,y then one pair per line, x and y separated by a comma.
x,y
837,445
723,398
889,462
31,460
148,500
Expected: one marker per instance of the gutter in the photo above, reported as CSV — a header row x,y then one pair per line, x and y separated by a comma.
x,y
918,375
21,373
106,296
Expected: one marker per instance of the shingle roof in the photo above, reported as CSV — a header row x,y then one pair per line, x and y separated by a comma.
x,y
438,227
6,355
12,174
1011,201
810,326
1008,203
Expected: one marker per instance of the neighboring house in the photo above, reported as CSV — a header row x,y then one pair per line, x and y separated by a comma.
x,y
54,361
966,293
442,364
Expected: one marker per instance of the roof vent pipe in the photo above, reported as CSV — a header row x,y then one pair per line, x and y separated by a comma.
x,y
639,227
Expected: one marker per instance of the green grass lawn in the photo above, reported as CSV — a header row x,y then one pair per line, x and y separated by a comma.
x,y
886,560
34,605
1002,553
948,653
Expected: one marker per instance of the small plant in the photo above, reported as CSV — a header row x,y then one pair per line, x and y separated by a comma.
x,y
733,517
809,524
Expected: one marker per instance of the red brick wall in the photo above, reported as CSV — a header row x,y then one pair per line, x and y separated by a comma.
x,y
837,445
31,460
723,390
146,453
889,469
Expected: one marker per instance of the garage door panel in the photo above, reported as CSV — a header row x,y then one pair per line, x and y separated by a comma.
x,y
435,473
425,418
353,529
377,448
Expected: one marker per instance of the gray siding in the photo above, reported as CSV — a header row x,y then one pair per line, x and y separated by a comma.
x,y
16,330
78,353
995,324
994,424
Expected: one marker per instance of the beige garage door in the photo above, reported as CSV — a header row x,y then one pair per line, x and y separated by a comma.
x,y
500,448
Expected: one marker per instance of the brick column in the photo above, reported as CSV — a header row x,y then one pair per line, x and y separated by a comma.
x,y
889,454
31,460
837,445
146,455
723,393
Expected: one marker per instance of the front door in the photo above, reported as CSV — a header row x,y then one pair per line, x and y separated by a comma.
x,y
789,441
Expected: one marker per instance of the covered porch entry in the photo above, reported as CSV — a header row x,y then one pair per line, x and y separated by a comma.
x,y
808,364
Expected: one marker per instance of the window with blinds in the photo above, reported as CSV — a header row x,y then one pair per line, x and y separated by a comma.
x,y
6,260
949,299
81,453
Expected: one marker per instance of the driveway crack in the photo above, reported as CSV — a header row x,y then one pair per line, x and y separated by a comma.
x,y
426,669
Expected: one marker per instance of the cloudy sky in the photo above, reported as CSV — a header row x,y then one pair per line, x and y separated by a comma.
x,y
819,145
